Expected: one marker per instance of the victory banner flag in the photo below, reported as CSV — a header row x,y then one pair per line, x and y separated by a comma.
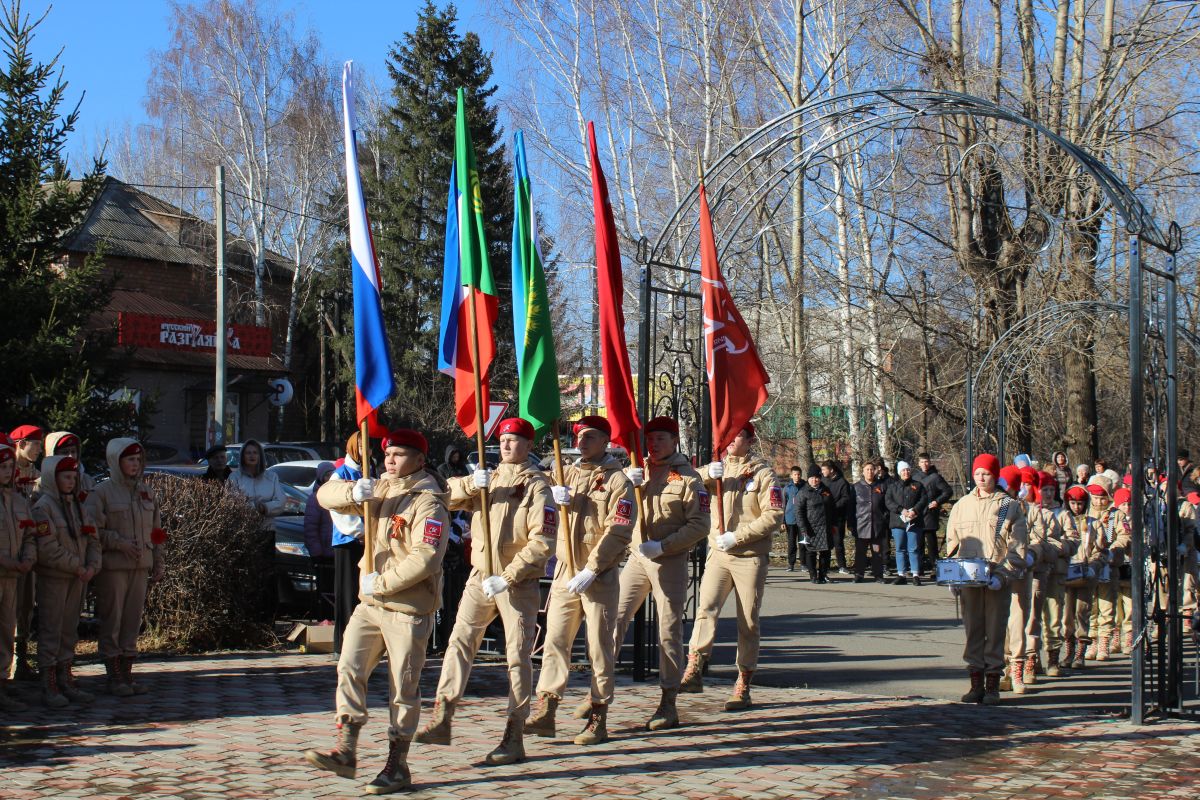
x,y
737,381
466,280
537,366
610,286
373,379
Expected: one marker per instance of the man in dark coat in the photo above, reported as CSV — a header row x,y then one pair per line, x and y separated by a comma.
x,y
871,522
814,510
842,519
940,493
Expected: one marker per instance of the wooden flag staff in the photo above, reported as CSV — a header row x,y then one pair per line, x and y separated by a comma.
x,y
364,452
480,421
564,520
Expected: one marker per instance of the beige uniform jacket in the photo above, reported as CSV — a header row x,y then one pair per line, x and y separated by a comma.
x,y
66,537
1045,539
17,540
408,542
601,515
127,511
1090,535
523,518
1064,540
677,504
1117,539
971,532
27,479
753,499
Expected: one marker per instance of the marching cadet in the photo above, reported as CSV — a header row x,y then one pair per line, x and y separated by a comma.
x,y
126,512
18,554
600,513
1063,542
524,523
676,508
1022,486
68,550
986,524
1104,604
1078,595
399,593
1120,553
738,555
27,446
1045,545
65,443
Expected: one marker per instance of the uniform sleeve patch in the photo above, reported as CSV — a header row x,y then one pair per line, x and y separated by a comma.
x,y
43,528
776,497
705,501
624,512
433,532
550,518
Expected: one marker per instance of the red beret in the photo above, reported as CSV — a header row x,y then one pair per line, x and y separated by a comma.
x,y
1122,495
67,464
27,432
1194,498
1077,492
1012,477
664,424
6,453
1127,479
1046,479
66,440
595,423
1096,489
406,437
132,450
1029,476
517,426
986,461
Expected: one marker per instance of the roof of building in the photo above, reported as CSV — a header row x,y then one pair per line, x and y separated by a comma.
x,y
131,223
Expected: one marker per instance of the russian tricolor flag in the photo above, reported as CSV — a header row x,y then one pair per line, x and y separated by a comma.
x,y
374,382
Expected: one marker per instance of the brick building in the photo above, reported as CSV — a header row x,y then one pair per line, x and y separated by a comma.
x,y
164,308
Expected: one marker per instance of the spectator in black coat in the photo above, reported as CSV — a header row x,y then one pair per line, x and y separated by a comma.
x,y
939,493
871,522
906,500
318,538
843,510
1186,484
814,510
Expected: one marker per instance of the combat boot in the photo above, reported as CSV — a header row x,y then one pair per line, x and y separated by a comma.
x,y
541,723
8,703
342,760
665,716
1090,653
512,747
1114,643
116,681
584,709
1052,669
1031,670
1101,645
52,696
68,686
741,692
1069,654
596,730
693,676
395,776
975,693
127,672
1080,660
1006,682
1127,642
438,730
1016,672
991,689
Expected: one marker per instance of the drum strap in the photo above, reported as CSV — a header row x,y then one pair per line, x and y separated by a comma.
x,y
1001,517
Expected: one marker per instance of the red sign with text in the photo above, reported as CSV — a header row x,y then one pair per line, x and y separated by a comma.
x,y
197,335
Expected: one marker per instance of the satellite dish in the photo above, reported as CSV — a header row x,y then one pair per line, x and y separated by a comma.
x,y
281,391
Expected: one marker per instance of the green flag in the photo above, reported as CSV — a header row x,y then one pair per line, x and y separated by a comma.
x,y
537,368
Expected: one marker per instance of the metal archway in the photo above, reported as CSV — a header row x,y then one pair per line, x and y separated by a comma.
x,y
744,186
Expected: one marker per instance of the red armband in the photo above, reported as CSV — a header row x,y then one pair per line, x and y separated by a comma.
x,y
89,530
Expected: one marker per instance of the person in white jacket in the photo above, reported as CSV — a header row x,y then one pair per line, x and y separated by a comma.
x,y
261,488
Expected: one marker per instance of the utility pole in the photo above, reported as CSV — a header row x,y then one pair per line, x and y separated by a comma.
x,y
221,338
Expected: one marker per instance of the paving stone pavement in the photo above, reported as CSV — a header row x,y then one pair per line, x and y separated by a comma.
x,y
234,725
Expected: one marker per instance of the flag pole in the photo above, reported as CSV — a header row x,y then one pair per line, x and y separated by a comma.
x,y
364,452
564,521
716,447
636,459
480,421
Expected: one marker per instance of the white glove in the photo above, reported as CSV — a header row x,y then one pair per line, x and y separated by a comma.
x,y
364,489
366,584
726,540
994,584
1029,559
480,476
650,550
1183,549
636,475
716,470
494,585
562,495
582,580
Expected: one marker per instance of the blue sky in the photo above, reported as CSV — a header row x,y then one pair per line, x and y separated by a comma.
x,y
106,46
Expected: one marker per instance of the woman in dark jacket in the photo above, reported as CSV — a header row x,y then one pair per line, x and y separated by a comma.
x,y
318,537
906,500
842,519
814,510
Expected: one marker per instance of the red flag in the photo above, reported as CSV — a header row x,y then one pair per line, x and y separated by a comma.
x,y
737,381
614,355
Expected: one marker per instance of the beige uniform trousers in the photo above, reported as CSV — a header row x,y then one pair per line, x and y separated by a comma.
x,y
1124,607
1054,606
8,623
597,605
120,600
1077,613
518,608
746,577
1018,619
60,601
667,578
1037,606
985,617
371,632
25,595
1104,610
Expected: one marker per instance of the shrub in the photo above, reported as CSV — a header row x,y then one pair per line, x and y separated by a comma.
x,y
218,592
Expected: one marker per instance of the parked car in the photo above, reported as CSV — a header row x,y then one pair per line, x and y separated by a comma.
x,y
295,572
328,451
300,474
273,453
